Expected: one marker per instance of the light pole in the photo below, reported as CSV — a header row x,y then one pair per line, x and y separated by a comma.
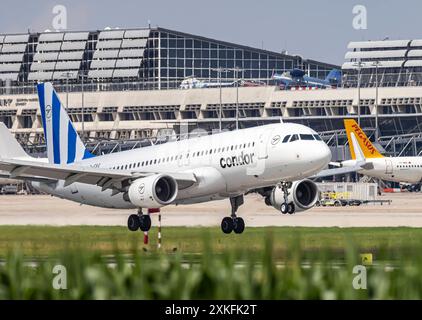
x,y
236,70
359,65
67,75
83,107
376,64
220,111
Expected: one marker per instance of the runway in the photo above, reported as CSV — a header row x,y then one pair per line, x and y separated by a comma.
x,y
405,210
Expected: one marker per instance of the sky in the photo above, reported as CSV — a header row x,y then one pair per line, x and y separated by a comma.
x,y
317,30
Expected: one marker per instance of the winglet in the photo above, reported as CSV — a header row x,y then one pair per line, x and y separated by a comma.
x,y
9,147
359,143
63,143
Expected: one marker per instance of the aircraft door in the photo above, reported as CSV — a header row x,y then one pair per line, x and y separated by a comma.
x,y
388,166
263,145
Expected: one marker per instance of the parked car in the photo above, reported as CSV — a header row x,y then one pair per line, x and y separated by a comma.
x,y
9,189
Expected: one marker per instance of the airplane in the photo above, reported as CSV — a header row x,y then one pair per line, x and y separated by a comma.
x,y
272,160
298,77
372,163
194,83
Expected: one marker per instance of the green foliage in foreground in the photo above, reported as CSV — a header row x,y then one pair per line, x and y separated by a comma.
x,y
41,241
229,274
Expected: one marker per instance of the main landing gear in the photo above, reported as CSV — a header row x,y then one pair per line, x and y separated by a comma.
x,y
286,207
233,223
139,221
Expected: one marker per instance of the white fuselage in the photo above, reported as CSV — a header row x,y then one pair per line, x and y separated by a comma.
x,y
224,164
397,169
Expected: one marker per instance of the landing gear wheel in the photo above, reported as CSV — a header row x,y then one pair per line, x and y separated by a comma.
x,y
284,208
144,222
291,208
133,222
238,225
227,225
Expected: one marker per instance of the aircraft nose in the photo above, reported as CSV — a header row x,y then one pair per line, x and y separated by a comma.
x,y
319,155
325,154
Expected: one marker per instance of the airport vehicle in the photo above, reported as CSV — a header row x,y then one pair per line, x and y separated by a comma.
x,y
297,77
372,163
273,160
9,189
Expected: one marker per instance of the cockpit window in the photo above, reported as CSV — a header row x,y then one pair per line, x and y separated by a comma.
x,y
316,136
286,138
306,137
294,138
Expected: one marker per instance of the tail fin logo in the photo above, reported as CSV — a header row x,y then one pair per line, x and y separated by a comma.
x,y
362,137
48,112
368,149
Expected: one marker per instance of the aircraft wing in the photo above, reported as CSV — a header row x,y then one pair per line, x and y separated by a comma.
x,y
343,170
37,171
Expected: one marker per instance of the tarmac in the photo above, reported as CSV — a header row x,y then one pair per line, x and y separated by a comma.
x,y
405,210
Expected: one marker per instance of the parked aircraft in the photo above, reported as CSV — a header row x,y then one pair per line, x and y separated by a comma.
x,y
297,77
372,163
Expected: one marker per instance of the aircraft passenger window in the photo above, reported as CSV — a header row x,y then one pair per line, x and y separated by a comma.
x,y
286,138
211,151
232,147
294,138
306,137
125,167
253,144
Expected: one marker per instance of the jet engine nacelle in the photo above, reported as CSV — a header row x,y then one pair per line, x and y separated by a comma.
x,y
303,194
154,191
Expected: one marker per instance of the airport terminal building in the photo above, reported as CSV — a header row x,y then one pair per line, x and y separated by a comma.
x,y
153,58
125,84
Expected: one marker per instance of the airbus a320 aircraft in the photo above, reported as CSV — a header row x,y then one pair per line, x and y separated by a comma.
x,y
372,163
269,159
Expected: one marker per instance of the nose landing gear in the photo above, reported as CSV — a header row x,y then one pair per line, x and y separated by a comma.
x,y
234,223
286,207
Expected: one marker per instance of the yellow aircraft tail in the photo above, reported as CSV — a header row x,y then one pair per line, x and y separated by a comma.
x,y
364,144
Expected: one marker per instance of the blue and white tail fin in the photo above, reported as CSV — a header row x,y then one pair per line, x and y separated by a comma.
x,y
334,76
63,143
